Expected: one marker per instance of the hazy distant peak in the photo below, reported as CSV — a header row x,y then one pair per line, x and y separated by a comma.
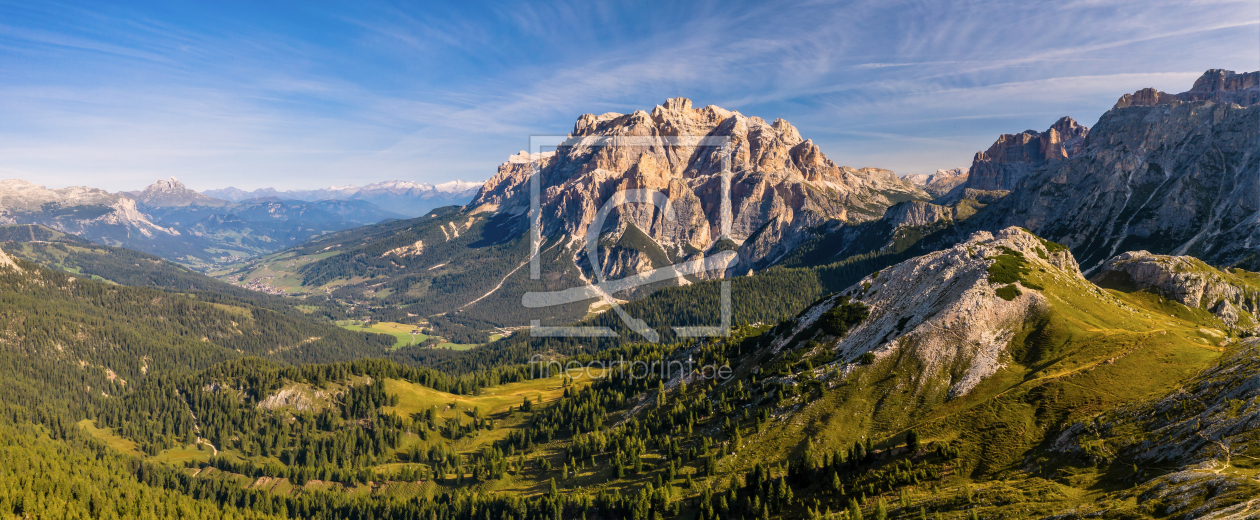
x,y
172,193
457,186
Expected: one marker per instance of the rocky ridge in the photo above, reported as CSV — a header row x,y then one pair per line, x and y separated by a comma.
x,y
1215,85
6,261
1175,178
407,198
1187,280
76,209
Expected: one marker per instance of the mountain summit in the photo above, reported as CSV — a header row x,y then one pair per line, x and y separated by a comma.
x,y
1013,156
171,192
780,182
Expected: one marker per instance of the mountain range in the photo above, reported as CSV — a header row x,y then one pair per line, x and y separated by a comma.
x,y
407,198
170,220
1067,329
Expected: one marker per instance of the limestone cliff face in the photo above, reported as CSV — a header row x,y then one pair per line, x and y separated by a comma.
x,y
1187,280
917,213
780,183
1013,156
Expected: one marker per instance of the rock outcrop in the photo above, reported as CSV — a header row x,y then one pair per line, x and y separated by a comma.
x,y
1013,156
7,262
917,213
1177,178
943,309
780,183
1187,280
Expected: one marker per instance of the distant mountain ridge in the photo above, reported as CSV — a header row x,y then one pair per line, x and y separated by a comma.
x,y
407,198
172,221
941,182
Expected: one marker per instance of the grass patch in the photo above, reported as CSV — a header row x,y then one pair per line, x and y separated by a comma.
x,y
404,335
1010,267
110,439
1008,292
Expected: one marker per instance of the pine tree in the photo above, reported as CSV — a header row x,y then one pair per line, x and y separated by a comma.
x,y
912,441
855,509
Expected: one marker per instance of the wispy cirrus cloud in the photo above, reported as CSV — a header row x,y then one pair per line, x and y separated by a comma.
x,y
240,94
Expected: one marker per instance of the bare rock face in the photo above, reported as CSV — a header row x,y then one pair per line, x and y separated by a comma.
x,y
917,213
7,262
942,310
1215,85
1187,280
1177,178
1013,156
780,183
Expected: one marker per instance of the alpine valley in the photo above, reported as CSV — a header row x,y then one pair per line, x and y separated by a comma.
x,y
1067,329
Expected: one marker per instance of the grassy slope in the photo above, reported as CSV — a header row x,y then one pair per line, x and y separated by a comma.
x,y
1093,351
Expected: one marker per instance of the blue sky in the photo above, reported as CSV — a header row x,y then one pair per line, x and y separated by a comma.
x,y
308,94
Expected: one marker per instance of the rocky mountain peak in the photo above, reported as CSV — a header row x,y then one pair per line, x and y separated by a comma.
x,y
1221,80
1013,156
1215,85
1169,174
75,209
678,103
172,193
780,182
